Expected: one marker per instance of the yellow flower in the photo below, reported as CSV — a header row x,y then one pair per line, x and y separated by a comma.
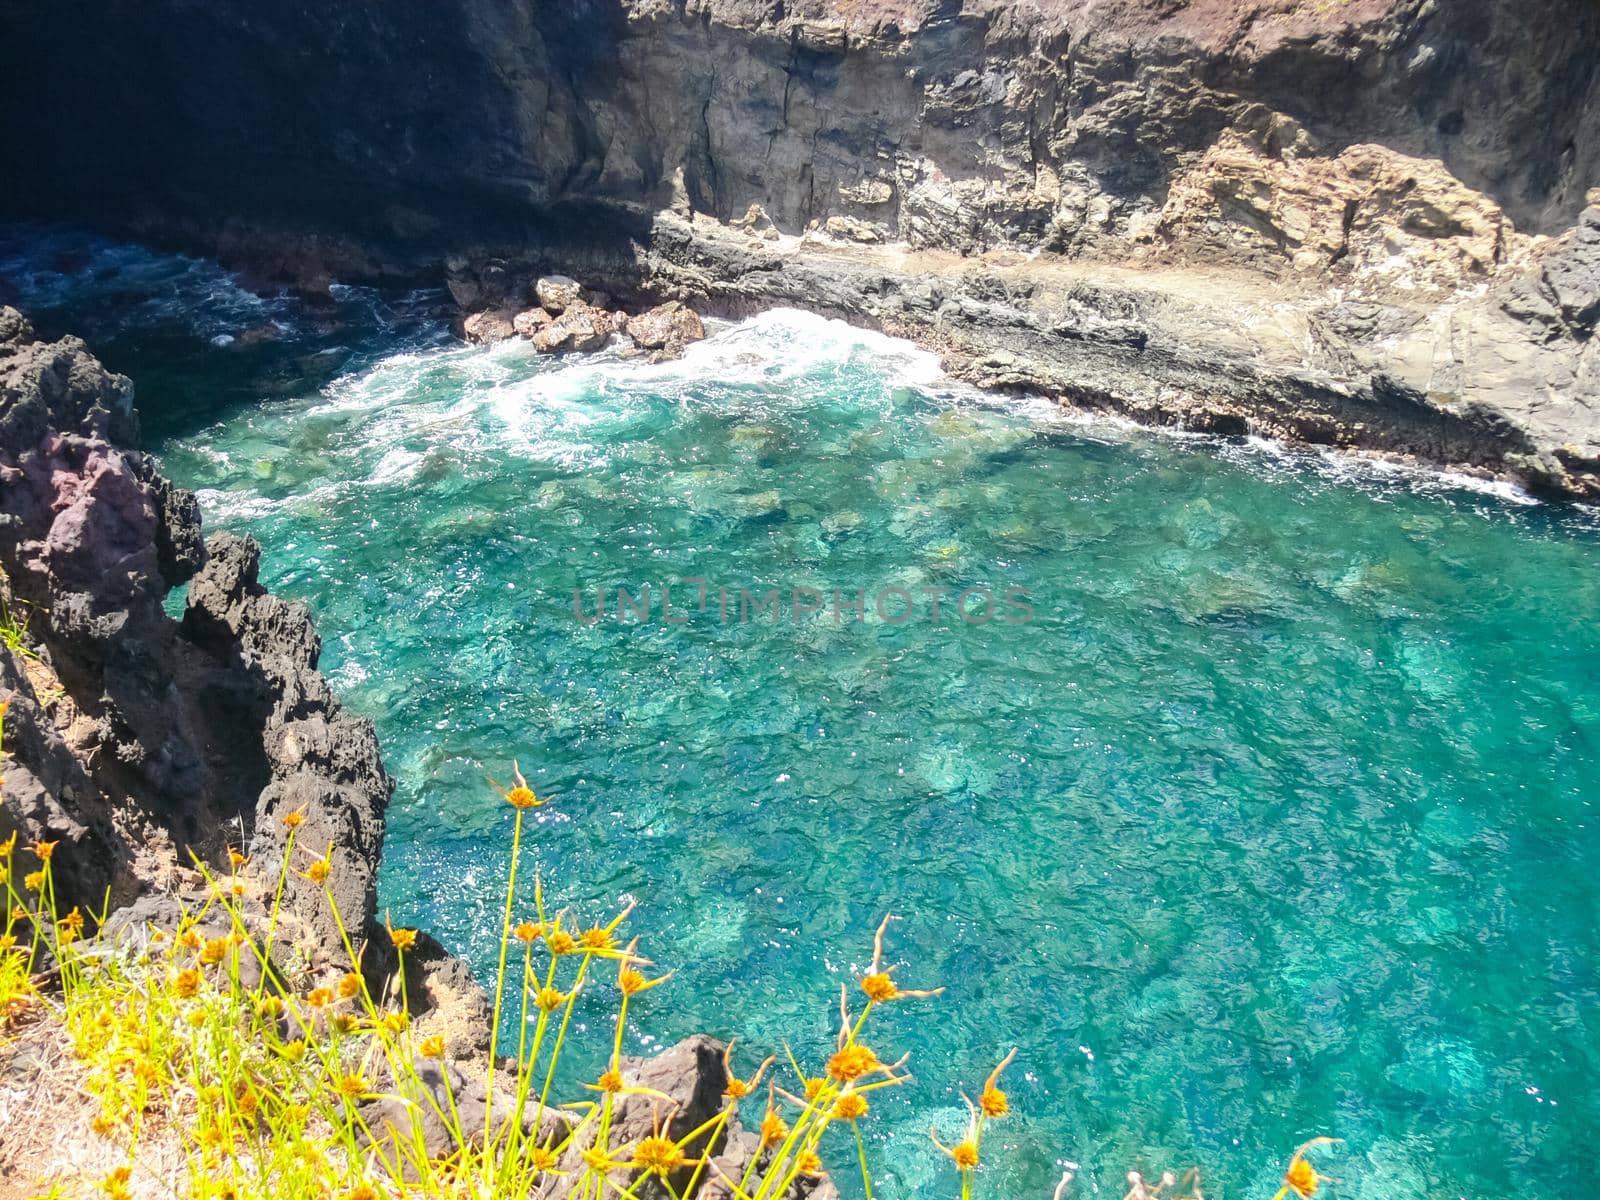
x,y
738,1089
561,942
878,983
965,1152
992,1101
522,795
294,1051
342,1023
658,1155
543,1160
187,984
362,1191
432,1047
809,1164
773,1128
528,931
352,1087
549,999
1302,1178
611,1081
600,1162
235,859
632,982
8,846
403,939
321,868
879,988
295,819
115,1184
850,1107
320,997
270,1007
852,1062
349,986
71,925
33,880
44,850
215,951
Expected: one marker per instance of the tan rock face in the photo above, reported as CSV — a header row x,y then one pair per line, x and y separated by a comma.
x,y
486,328
530,321
1370,211
669,324
579,327
557,293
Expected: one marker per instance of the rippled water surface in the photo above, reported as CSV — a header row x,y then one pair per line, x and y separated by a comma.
x,y
1275,819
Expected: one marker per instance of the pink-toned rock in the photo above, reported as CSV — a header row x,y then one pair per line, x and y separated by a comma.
x,y
1369,210
530,321
486,328
666,326
578,328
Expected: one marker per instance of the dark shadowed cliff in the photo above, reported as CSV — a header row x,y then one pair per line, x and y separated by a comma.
x,y
1385,195
1033,122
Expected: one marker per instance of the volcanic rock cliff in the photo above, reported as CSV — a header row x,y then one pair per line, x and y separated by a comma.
x,y
1363,223
143,746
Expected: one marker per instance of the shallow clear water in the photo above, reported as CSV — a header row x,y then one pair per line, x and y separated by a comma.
x,y
1276,819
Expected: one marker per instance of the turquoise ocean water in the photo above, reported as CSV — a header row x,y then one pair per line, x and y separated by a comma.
x,y
1274,820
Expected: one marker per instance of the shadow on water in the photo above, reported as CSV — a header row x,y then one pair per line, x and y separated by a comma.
x,y
198,344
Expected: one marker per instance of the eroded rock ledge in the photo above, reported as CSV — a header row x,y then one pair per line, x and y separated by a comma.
x,y
1499,378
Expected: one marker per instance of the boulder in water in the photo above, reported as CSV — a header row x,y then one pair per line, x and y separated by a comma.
x,y
530,321
579,328
667,326
486,328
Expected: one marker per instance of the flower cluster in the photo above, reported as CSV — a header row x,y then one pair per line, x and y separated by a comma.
x,y
273,1074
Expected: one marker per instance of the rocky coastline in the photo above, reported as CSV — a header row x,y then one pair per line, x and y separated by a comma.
x,y
1367,224
146,748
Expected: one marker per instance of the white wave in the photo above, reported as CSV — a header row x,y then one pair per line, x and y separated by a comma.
x,y
507,399
398,465
227,504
